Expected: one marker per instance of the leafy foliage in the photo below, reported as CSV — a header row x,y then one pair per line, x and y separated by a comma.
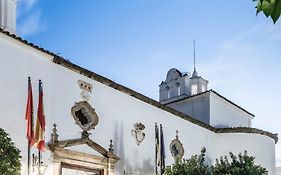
x,y
241,164
270,8
9,155
193,166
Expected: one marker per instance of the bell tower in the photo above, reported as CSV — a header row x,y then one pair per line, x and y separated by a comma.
x,y
180,85
176,86
8,15
197,83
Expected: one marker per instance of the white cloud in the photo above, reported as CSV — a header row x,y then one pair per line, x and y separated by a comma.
x,y
31,24
29,18
25,6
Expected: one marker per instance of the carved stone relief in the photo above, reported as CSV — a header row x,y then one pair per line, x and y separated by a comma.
x,y
86,90
84,115
138,133
176,148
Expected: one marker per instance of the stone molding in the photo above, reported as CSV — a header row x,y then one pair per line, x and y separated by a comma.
x,y
65,158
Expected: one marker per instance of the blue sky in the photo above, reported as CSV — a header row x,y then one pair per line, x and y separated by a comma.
x,y
135,43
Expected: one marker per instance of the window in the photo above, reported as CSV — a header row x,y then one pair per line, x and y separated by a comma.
x,y
178,89
203,88
168,92
194,89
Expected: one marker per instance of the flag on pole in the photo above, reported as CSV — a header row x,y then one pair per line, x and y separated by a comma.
x,y
39,140
29,119
29,114
162,152
159,151
157,148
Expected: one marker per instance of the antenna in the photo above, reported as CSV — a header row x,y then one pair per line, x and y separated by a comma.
x,y
194,55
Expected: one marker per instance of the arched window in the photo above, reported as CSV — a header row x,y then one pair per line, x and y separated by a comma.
x,y
178,89
194,89
168,92
203,88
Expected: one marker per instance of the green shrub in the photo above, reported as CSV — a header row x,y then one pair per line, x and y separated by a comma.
x,y
196,165
9,155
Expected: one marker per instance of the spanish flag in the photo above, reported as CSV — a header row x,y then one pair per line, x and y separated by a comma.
x,y
39,140
29,114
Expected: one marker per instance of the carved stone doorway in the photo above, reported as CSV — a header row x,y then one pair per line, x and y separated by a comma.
x,y
65,159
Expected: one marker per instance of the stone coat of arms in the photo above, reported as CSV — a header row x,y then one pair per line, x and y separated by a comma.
x,y
138,132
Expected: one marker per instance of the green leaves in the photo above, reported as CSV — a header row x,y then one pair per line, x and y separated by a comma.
x,y
9,155
193,166
196,165
241,164
270,8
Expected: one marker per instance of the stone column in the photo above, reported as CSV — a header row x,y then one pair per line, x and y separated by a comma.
x,y
57,169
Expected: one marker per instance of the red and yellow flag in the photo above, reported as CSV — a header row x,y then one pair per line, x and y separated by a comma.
x,y
39,140
29,114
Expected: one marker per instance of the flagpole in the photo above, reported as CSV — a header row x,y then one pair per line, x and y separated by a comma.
x,y
39,162
39,153
162,151
28,158
161,148
156,149
39,141
29,118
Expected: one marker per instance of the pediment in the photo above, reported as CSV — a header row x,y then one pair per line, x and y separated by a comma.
x,y
84,148
67,144
64,157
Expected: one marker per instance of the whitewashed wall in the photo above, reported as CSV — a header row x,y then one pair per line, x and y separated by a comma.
x,y
197,107
278,170
213,110
261,147
222,114
117,112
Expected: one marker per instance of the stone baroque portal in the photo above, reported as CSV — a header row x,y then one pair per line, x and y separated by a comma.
x,y
84,115
67,161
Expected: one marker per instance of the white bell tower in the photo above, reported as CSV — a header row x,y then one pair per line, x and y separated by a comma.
x,y
8,15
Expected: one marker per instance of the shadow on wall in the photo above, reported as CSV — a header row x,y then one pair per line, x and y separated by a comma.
x,y
124,166
146,168
118,143
278,170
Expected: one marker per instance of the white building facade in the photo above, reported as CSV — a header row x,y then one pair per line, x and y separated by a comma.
x,y
118,109
76,98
